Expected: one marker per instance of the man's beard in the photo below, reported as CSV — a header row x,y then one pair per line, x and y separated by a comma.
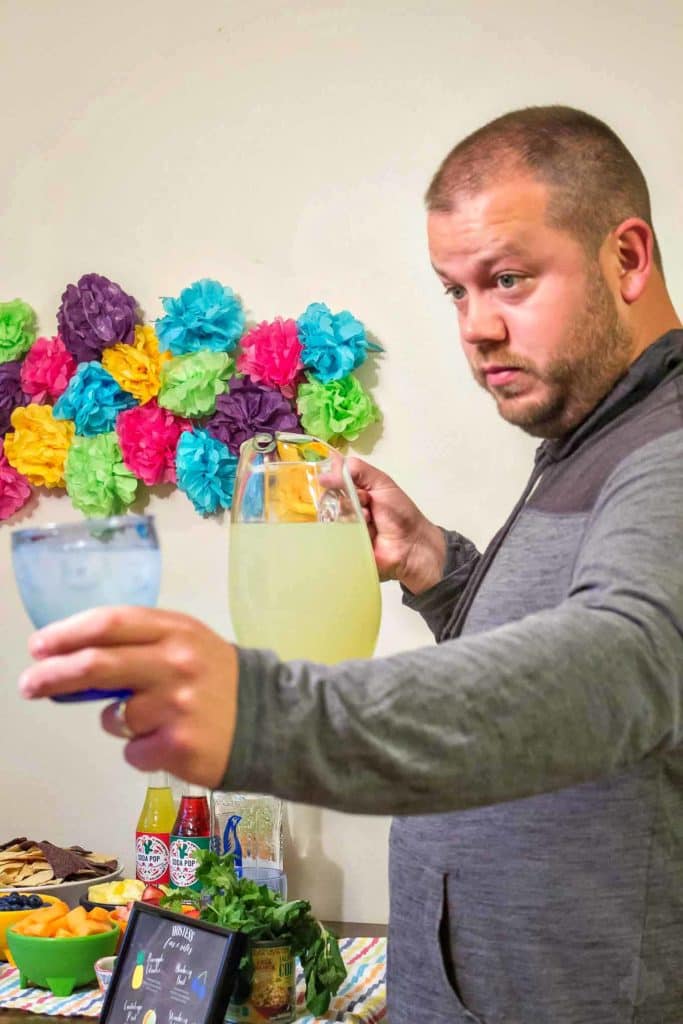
x,y
597,349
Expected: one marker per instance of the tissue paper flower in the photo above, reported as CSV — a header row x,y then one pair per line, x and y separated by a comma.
x,y
95,313
148,436
207,315
93,400
47,369
18,328
39,444
137,367
11,393
190,384
271,355
15,489
341,408
333,343
247,409
97,481
206,471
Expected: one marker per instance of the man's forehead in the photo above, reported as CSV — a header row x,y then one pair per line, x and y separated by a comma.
x,y
504,215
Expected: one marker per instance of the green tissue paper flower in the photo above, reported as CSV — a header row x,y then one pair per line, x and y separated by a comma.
x,y
190,384
340,408
97,481
18,329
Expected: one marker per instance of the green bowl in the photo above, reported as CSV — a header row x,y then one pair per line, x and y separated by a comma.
x,y
59,964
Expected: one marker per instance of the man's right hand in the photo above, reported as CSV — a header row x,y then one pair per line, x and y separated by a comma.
x,y
407,546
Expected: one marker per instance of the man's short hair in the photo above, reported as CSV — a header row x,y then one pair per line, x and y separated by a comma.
x,y
595,181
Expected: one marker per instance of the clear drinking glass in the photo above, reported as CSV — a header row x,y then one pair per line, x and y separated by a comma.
x,y
303,580
68,568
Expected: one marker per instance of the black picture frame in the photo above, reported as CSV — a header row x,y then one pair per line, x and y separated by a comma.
x,y
221,950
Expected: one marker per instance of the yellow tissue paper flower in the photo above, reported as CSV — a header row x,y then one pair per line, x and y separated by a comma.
x,y
39,444
137,367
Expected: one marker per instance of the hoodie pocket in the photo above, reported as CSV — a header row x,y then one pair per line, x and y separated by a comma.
x,y
419,986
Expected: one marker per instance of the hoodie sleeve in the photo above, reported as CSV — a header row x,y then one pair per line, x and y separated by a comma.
x,y
436,604
562,696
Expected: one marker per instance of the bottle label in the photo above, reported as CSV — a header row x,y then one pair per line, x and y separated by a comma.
x,y
152,857
183,865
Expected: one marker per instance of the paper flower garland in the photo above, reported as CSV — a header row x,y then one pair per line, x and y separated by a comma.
x,y
110,401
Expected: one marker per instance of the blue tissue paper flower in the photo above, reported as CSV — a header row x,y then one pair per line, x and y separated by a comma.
x,y
205,470
334,344
207,315
93,400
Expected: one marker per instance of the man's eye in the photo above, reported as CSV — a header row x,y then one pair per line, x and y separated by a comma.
x,y
508,280
456,292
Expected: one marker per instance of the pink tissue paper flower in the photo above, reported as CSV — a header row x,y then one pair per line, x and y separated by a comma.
x,y
148,436
47,369
271,355
15,489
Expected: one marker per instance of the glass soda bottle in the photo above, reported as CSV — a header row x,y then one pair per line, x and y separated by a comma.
x,y
191,832
153,833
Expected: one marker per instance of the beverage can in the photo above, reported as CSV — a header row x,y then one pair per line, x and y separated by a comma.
x,y
272,996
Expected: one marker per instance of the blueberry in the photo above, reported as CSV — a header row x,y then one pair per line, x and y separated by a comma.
x,y
34,902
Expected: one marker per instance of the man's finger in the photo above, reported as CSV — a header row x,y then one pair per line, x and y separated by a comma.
x,y
101,627
99,668
366,477
139,715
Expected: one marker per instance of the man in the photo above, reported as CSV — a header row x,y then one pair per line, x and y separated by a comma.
x,y
536,753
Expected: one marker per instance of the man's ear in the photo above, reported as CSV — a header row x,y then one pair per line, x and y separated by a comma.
x,y
633,247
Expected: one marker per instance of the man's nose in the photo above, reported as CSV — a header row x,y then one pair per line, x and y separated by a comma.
x,y
480,323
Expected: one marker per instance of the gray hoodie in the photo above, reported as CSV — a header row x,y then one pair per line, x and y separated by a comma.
x,y
536,753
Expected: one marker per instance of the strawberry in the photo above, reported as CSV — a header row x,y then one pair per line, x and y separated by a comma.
x,y
152,894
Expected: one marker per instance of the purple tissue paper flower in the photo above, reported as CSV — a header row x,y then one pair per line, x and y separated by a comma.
x,y
11,394
94,314
246,410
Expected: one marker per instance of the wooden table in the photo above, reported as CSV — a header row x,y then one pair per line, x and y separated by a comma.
x,y
343,929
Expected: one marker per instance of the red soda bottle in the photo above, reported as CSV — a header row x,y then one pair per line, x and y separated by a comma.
x,y
191,833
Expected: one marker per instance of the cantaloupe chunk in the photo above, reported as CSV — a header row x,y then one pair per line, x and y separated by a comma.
x,y
99,914
75,918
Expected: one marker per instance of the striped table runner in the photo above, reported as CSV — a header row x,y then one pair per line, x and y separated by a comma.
x,y
361,999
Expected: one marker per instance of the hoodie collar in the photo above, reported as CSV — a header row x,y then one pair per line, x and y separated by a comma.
x,y
660,361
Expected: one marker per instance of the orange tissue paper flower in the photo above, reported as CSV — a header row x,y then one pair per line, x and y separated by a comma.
x,y
137,367
38,445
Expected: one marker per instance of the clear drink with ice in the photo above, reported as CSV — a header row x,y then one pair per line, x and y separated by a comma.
x,y
64,569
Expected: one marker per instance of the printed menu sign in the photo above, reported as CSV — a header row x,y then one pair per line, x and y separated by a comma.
x,y
172,969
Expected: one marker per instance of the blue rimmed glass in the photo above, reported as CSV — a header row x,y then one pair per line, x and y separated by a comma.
x,y
68,568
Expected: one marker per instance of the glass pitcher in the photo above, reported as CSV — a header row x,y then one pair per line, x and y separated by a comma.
x,y
303,580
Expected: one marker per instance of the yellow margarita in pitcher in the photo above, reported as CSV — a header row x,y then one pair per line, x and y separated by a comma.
x,y
305,590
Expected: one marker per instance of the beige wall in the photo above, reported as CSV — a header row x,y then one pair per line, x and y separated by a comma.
x,y
284,149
